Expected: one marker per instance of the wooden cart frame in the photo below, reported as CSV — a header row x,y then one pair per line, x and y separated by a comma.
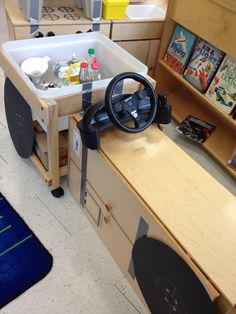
x,y
48,113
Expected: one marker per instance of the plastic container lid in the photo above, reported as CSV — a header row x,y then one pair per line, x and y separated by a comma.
x,y
116,3
95,66
91,51
84,65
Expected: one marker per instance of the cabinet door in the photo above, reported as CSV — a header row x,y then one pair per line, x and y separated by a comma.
x,y
104,224
153,56
139,49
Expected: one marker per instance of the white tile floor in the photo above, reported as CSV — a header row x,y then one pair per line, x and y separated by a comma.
x,y
84,278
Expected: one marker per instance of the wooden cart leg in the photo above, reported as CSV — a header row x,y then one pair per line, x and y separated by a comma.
x,y
53,150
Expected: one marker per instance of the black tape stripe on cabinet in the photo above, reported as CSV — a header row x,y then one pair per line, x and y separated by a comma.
x,y
96,15
141,232
34,7
96,27
86,103
86,95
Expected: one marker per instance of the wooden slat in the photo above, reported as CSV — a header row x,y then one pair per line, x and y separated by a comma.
x,y
53,146
39,166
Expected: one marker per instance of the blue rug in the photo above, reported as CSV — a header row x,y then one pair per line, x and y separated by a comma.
x,y
23,259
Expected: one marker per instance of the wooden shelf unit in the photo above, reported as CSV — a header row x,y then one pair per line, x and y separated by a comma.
x,y
217,25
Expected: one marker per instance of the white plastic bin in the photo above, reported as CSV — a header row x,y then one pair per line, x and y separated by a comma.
x,y
113,59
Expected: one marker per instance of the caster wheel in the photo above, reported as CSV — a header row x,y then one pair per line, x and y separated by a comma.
x,y
58,192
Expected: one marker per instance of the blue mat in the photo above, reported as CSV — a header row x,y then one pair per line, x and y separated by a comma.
x,y
23,259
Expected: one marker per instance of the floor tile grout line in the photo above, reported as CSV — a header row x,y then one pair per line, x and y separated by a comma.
x,y
54,216
2,125
127,299
3,159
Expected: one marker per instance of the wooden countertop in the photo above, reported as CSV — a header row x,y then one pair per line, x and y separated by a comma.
x,y
198,211
17,19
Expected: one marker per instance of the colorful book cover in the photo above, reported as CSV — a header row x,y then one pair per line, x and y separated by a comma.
x,y
179,49
195,129
232,160
222,90
203,65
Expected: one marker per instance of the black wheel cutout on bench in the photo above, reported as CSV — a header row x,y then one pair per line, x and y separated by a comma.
x,y
130,104
19,120
168,284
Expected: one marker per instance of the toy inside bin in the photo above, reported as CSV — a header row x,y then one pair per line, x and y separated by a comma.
x,y
112,58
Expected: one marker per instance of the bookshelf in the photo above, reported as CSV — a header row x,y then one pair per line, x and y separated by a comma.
x,y
217,25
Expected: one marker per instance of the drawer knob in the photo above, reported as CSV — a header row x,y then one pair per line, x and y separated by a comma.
x,y
108,207
107,219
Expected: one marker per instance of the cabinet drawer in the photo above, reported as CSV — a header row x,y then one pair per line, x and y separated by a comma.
x,y
136,31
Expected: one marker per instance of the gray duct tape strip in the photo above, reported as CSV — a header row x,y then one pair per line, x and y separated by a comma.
x,y
96,27
86,102
34,8
86,95
83,176
97,9
141,232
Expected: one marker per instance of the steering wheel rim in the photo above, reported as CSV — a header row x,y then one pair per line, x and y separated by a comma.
x,y
109,104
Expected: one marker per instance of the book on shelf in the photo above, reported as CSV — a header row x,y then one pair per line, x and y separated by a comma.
x,y
222,90
232,160
179,49
195,129
203,65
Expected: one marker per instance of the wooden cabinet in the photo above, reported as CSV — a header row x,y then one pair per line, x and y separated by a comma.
x,y
216,23
140,38
59,17
146,177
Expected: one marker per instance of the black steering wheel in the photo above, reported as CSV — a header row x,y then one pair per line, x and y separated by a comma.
x,y
130,105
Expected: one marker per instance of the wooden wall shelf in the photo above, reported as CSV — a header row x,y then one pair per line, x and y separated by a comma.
x,y
185,98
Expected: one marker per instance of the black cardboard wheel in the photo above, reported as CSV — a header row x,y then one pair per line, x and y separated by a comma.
x,y
19,120
168,284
